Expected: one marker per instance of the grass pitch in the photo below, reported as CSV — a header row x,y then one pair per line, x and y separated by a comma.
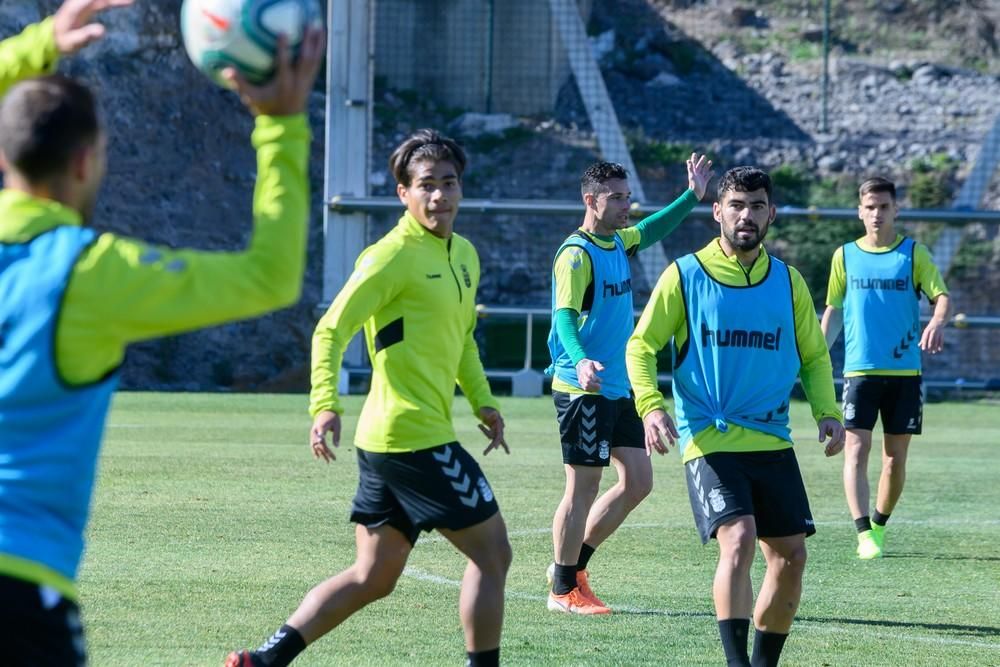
x,y
211,521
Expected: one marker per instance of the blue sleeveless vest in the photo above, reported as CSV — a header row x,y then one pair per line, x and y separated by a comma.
x,y
881,309
606,322
741,358
49,432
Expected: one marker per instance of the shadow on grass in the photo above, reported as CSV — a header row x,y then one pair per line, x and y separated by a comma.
x,y
969,630
923,556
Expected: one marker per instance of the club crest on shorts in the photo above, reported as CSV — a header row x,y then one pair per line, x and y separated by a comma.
x,y
604,450
718,502
848,410
484,489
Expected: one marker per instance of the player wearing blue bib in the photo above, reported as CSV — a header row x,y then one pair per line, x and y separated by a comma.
x,y
592,318
742,326
71,300
874,295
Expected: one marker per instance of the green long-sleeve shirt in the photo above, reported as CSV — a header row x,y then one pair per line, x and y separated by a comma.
x,y
415,295
122,290
665,318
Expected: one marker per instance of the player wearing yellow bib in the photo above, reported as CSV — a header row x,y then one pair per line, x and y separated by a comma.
x,y
592,317
874,295
72,300
414,292
742,327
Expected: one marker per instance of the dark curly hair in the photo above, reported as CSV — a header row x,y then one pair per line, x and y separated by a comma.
x,y
744,179
425,145
598,174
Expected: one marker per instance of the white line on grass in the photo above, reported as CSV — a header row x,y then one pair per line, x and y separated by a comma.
x,y
821,626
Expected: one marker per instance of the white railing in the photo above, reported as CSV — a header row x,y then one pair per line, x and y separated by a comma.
x,y
526,381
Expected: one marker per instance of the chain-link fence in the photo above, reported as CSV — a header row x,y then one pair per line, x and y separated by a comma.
x,y
820,94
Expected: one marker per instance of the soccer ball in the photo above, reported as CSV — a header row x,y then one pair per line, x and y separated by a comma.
x,y
243,33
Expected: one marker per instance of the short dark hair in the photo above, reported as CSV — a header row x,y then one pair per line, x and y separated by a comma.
x,y
422,145
598,174
43,122
877,184
744,179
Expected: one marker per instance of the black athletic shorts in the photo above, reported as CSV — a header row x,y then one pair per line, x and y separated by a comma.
x,y
591,425
766,485
899,399
441,487
38,627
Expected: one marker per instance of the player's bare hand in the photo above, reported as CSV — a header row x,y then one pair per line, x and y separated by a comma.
x,y
932,339
492,427
834,430
72,27
287,92
325,422
587,374
660,432
699,169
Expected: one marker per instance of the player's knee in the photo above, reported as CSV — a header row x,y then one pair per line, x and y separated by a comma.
x,y
793,561
637,488
378,581
737,546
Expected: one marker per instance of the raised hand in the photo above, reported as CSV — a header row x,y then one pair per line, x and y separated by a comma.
x,y
72,27
699,169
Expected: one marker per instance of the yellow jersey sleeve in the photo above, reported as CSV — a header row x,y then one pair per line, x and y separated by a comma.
x,y
380,272
837,286
122,290
926,273
31,53
631,238
816,372
572,273
662,319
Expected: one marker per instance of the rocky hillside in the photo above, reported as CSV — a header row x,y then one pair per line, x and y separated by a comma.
x,y
737,79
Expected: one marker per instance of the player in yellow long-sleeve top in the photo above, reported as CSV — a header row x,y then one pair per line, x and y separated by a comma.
x,y
414,293
73,300
742,327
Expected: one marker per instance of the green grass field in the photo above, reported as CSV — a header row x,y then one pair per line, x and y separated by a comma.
x,y
211,520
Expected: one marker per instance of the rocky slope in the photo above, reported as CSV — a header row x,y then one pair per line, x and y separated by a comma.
x,y
711,75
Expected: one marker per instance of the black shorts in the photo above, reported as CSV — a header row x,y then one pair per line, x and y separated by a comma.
x,y
38,627
441,487
590,425
766,485
899,399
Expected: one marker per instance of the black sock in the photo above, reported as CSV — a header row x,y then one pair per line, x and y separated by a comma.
x,y
281,648
586,551
483,658
564,579
863,524
767,648
733,632
880,519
